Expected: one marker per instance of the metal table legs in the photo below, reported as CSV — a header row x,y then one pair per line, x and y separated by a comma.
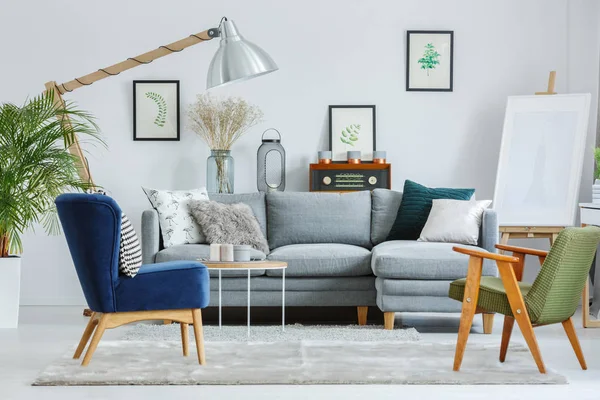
x,y
248,306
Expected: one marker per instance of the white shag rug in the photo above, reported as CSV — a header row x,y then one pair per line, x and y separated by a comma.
x,y
273,333
272,358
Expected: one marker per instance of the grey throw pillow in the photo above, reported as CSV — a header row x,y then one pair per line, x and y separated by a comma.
x,y
229,223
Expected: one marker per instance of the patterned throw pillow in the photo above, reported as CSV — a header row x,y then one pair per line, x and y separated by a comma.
x,y
174,216
130,252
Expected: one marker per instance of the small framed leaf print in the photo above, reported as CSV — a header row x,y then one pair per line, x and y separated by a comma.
x,y
429,61
155,110
351,128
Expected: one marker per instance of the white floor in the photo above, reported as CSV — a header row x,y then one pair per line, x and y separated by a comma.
x,y
45,333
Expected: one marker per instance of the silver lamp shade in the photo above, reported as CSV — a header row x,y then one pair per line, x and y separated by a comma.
x,y
237,59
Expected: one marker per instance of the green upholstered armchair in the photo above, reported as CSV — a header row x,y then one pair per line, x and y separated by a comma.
x,y
552,298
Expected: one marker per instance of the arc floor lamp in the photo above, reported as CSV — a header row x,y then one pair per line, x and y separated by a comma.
x,y
235,60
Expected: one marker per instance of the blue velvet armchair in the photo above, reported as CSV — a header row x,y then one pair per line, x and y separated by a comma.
x,y
176,290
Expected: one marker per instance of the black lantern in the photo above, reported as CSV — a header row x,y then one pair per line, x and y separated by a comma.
x,y
270,164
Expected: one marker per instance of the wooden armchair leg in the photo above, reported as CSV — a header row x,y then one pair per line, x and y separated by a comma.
x,y
185,337
362,314
87,333
488,322
197,318
509,322
95,340
570,330
469,306
519,310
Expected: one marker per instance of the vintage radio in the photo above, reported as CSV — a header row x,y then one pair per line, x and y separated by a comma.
x,y
343,177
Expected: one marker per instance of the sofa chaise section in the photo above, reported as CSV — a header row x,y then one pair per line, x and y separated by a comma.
x,y
414,276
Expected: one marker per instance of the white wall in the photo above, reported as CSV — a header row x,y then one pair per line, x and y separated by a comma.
x,y
329,52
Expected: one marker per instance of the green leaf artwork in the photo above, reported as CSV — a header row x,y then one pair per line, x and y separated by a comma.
x,y
430,58
161,116
350,134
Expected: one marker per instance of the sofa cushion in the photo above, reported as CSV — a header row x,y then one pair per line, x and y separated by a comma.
x,y
385,204
301,218
322,259
409,259
165,286
194,252
256,201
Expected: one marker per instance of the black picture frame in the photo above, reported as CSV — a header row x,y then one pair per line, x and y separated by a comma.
x,y
374,127
137,137
450,87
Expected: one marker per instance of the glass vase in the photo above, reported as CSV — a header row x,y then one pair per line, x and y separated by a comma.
x,y
219,172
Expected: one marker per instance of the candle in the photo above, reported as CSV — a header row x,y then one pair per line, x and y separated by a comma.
x,y
226,252
379,157
325,157
215,252
354,157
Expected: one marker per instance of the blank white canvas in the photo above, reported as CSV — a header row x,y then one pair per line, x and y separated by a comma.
x,y
541,159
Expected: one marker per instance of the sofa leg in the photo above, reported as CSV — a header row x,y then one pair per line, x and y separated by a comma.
x,y
388,320
362,314
488,322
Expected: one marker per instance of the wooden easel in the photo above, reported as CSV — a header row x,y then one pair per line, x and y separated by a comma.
x,y
533,232
547,232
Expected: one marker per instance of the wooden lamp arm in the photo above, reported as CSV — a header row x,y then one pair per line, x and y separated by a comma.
x,y
85,80
485,254
145,58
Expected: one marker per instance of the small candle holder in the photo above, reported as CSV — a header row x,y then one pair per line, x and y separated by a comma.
x,y
226,252
325,157
354,157
215,252
379,157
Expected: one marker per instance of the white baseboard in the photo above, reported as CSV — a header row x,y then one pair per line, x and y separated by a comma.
x,y
53,301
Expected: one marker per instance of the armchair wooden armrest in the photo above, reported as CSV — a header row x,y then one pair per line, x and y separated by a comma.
x,y
485,254
522,250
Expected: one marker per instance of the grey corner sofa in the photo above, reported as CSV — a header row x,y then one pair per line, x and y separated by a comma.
x,y
337,254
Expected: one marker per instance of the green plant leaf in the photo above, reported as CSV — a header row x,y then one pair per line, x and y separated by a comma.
x,y
36,166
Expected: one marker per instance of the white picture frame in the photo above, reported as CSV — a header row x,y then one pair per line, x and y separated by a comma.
x,y
156,110
352,128
541,160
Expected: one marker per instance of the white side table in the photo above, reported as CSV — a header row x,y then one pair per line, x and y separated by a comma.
x,y
250,265
590,215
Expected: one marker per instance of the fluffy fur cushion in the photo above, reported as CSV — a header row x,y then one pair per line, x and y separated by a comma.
x,y
228,223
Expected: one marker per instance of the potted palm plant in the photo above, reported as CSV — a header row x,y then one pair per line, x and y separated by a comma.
x,y
35,167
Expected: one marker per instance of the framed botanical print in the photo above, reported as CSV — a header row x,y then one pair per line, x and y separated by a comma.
x,y
351,128
155,110
429,61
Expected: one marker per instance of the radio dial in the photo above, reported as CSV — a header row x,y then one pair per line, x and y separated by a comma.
x,y
372,180
326,180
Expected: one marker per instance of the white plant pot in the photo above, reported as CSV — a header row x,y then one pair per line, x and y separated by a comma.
x,y
10,285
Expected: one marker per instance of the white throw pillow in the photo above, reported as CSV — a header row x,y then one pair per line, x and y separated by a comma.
x,y
454,221
174,215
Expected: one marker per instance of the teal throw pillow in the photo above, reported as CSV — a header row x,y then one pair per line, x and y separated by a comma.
x,y
416,205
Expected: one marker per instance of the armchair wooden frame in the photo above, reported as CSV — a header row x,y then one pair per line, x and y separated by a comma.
x,y
99,322
511,273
